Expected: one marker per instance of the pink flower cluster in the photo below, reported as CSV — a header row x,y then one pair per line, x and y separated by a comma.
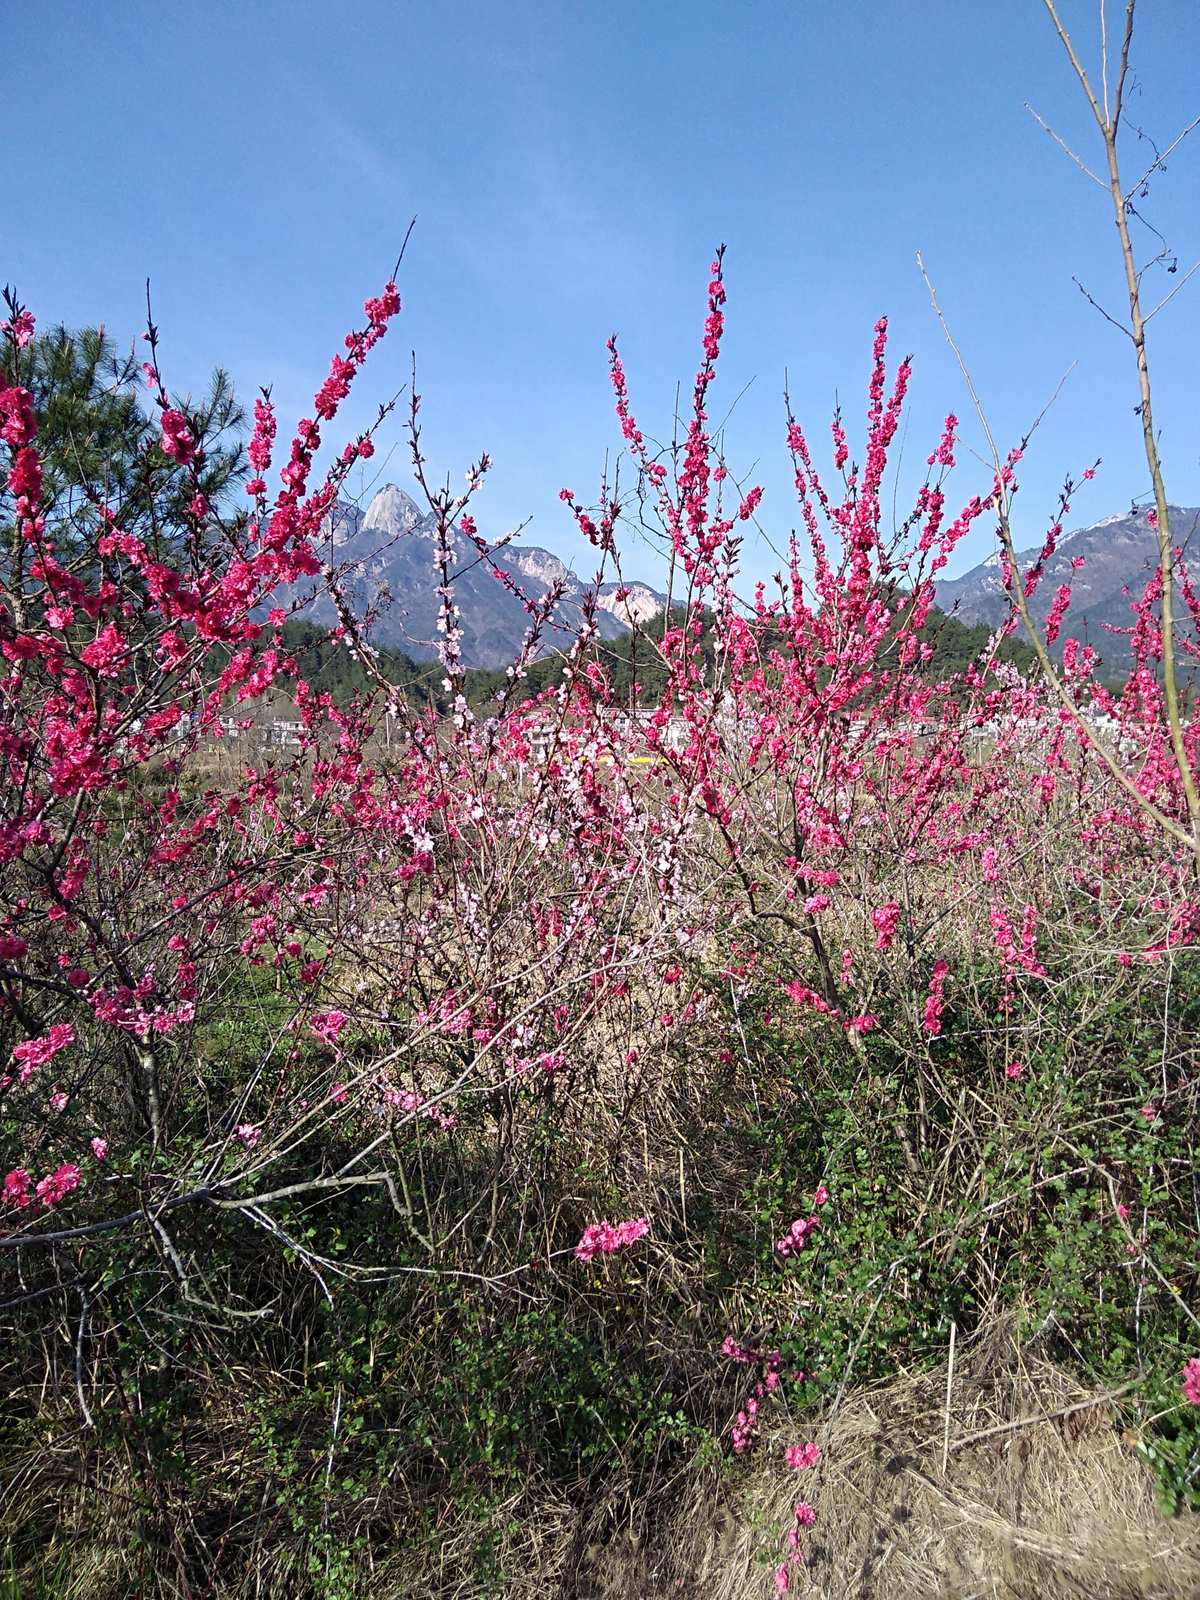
x,y
745,1424
34,1053
327,1026
935,1000
1191,1381
19,328
603,1238
176,440
885,919
1017,957
410,1102
797,1236
803,1516
55,1186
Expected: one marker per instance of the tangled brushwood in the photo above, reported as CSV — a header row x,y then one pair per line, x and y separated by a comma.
x,y
430,1163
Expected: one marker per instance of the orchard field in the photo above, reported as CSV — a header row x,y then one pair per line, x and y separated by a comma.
x,y
720,1129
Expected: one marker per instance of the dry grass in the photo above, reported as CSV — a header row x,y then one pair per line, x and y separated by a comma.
x,y
1032,1493
1055,1509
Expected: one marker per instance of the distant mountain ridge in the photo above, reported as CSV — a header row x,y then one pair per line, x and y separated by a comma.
x,y
1118,552
386,556
387,553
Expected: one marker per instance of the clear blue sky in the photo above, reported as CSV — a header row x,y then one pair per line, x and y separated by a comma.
x,y
571,166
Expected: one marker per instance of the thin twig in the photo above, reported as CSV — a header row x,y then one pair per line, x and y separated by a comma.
x,y
949,1386
1065,147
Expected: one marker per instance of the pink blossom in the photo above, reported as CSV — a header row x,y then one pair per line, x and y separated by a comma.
x,y
886,919
327,1025
936,998
176,440
802,1455
1191,1381
99,1148
797,1236
865,1022
20,328
249,1133
106,652
34,1053
607,1237
55,1186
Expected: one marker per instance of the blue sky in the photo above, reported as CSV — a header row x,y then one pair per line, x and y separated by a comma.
x,y
571,166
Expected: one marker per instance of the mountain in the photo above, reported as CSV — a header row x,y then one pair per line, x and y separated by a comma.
x,y
1119,552
384,559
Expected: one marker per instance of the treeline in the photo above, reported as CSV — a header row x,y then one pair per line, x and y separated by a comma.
x,y
633,663
327,664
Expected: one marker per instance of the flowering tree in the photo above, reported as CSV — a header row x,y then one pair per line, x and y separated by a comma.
x,y
502,968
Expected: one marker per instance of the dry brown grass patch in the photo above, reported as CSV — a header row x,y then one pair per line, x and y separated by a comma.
x,y
1042,1497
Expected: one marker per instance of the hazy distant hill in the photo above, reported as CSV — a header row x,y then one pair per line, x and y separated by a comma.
x,y
1119,552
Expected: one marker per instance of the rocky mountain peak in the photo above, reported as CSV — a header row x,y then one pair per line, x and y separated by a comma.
x,y
385,561
392,511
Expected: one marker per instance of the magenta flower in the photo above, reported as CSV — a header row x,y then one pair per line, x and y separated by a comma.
x,y
55,1186
327,1026
17,1185
34,1053
604,1238
885,919
20,329
796,1238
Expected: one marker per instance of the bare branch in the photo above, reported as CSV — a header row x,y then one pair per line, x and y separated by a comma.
x,y
1064,146
1080,71
1167,298
1158,161
1120,326
1118,102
